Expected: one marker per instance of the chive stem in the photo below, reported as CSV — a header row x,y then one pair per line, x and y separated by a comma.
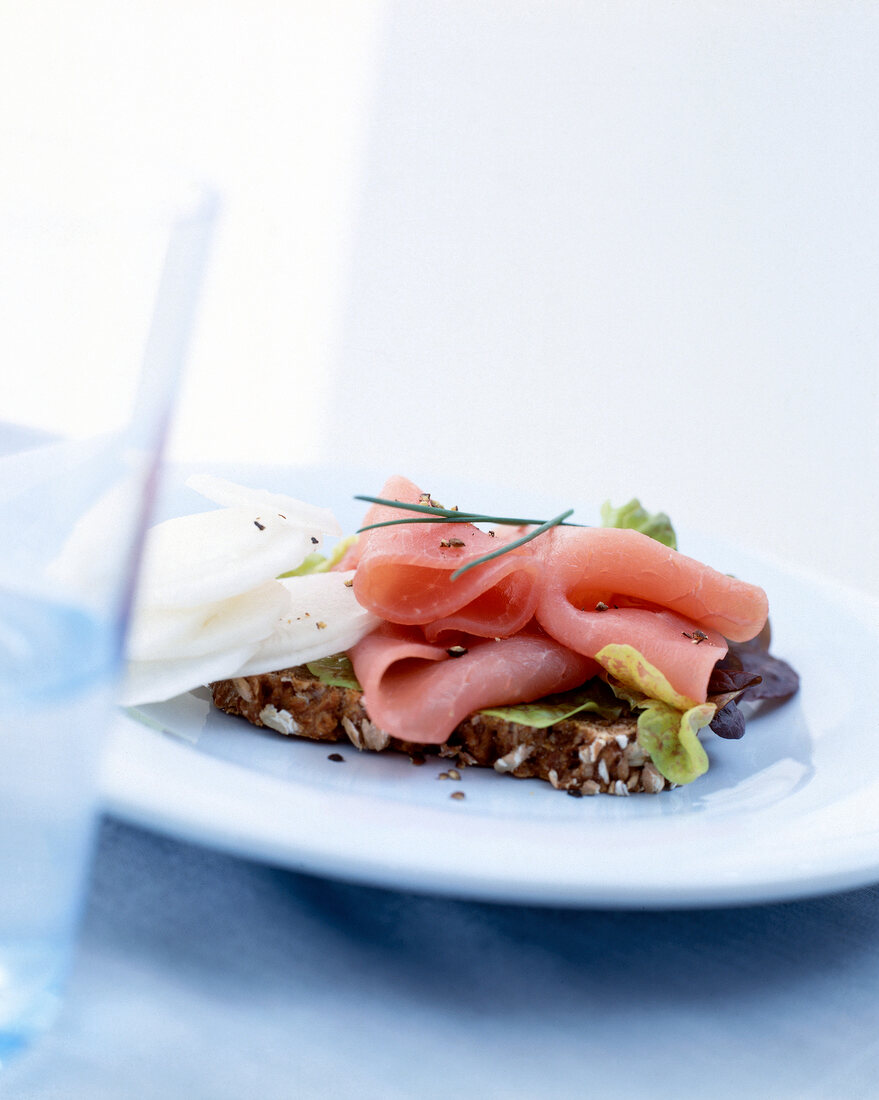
x,y
434,514
558,521
451,514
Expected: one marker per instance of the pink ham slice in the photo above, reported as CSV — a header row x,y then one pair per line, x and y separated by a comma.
x,y
655,598
661,596
418,692
403,574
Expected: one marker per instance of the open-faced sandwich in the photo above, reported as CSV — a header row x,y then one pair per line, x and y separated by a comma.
x,y
590,657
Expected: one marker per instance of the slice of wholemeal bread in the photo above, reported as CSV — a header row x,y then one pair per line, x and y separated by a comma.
x,y
582,755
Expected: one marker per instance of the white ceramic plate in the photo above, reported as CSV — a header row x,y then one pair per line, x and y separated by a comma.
x,y
790,810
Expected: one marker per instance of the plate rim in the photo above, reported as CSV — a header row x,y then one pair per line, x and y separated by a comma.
x,y
155,780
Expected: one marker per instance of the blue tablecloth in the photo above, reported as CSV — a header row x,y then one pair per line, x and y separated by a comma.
x,y
203,976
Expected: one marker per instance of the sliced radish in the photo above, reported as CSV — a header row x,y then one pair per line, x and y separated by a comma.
x,y
229,495
323,617
155,681
210,556
169,633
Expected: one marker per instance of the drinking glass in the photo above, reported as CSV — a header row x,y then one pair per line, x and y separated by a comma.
x,y
100,269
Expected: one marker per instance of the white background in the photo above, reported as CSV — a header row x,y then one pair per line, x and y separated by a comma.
x,y
583,250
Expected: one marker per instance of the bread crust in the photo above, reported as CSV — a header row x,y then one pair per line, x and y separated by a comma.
x,y
583,755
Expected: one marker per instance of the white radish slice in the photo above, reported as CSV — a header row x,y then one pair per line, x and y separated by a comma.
x,y
84,565
210,556
323,618
155,681
168,633
229,495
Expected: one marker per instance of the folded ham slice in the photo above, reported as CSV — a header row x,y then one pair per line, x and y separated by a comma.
x,y
404,574
420,692
608,587
648,615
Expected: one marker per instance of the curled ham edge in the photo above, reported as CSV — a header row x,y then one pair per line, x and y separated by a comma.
x,y
425,701
607,587
402,574
413,692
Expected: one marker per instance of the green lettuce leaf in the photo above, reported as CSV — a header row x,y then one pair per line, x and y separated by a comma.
x,y
337,671
320,563
547,712
633,516
668,735
630,667
313,563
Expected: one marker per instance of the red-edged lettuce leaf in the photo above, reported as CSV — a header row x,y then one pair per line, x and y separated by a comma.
x,y
777,680
747,671
729,722
728,681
